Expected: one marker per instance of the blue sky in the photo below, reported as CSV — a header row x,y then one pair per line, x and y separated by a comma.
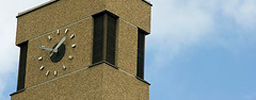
x,y
197,49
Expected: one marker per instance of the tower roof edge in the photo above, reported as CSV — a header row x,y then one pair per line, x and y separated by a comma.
x,y
36,8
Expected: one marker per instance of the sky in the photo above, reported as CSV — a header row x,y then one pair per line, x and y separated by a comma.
x,y
197,49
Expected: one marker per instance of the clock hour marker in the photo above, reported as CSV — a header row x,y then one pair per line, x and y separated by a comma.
x,y
72,36
49,38
58,32
66,31
73,46
70,57
42,68
64,67
55,73
47,73
40,58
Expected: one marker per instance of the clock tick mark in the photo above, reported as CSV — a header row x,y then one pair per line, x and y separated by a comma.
x,y
73,46
70,57
42,68
58,32
66,31
40,58
55,73
50,38
64,67
47,73
72,36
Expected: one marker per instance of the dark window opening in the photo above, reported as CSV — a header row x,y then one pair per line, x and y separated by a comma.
x,y
104,37
22,65
111,40
98,39
140,53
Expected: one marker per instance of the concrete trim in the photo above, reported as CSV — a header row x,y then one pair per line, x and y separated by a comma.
x,y
36,8
118,68
48,3
17,92
84,68
148,2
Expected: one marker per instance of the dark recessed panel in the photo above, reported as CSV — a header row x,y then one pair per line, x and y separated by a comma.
x,y
22,65
98,38
111,39
140,53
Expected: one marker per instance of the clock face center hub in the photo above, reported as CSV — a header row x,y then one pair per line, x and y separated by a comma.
x,y
56,57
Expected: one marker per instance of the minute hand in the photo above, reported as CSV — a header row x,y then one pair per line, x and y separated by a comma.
x,y
59,44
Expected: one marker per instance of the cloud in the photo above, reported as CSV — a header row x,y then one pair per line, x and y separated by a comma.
x,y
8,53
179,25
8,50
8,59
242,11
176,25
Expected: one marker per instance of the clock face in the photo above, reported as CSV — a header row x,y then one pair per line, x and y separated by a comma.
x,y
59,52
54,49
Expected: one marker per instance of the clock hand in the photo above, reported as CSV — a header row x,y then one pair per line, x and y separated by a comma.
x,y
45,48
58,45
51,54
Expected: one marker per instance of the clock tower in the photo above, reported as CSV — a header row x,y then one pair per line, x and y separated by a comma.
x,y
83,50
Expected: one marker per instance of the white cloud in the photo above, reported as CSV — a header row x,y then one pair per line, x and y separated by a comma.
x,y
242,11
178,25
8,50
8,58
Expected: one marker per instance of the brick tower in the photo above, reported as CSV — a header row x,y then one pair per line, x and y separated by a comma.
x,y
83,50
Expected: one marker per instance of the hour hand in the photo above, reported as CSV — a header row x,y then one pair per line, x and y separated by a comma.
x,y
49,49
